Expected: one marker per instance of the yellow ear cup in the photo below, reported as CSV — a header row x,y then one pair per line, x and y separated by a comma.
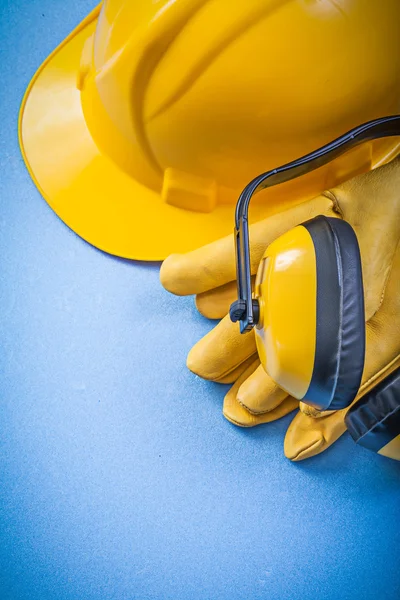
x,y
286,289
311,330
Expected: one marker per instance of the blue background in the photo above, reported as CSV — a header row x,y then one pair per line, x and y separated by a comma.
x,y
119,477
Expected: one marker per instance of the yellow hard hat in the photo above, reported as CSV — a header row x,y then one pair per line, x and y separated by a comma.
x,y
144,125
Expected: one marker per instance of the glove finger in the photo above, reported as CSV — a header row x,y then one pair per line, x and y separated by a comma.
x,y
234,412
215,303
312,433
214,265
238,415
307,436
236,373
219,353
259,394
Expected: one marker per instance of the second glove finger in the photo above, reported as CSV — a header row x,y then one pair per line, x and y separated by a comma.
x,y
307,436
215,303
259,394
234,412
219,353
234,375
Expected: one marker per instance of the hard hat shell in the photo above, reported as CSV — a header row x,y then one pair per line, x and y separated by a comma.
x,y
144,125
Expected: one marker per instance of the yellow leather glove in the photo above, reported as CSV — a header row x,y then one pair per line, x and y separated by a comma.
x,y
371,204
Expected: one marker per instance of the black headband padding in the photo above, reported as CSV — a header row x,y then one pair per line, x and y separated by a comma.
x,y
374,421
340,328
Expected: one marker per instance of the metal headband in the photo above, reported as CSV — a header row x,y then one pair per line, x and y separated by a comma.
x,y
244,308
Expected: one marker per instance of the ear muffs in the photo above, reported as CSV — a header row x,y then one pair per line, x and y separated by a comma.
x,y
308,306
311,327
374,421
340,329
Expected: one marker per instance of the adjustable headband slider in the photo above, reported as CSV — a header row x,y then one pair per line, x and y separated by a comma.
x,y
238,312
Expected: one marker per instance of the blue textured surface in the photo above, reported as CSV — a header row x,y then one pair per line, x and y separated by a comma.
x,y
119,477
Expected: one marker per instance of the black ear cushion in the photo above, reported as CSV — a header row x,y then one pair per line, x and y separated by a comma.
x,y
352,347
374,421
340,330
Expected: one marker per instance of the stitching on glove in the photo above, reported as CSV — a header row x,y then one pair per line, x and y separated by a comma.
x,y
235,422
387,279
335,202
251,411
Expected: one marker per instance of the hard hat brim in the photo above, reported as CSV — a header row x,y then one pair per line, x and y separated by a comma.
x,y
96,199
